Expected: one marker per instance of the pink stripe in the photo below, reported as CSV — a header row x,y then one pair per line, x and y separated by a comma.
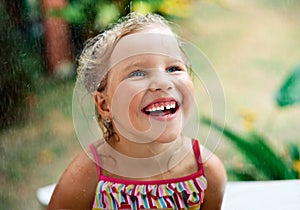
x,y
201,197
178,200
139,201
201,183
106,201
150,202
95,154
151,182
168,202
161,190
197,152
196,183
186,187
103,201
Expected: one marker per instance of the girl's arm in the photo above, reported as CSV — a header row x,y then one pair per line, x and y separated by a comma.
x,y
76,188
216,182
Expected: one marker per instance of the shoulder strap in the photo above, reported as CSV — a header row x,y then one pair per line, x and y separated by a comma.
x,y
197,152
95,154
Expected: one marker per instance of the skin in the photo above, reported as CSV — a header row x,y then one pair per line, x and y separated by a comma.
x,y
142,79
76,189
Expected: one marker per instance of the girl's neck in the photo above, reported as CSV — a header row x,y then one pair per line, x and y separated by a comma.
x,y
123,158
146,150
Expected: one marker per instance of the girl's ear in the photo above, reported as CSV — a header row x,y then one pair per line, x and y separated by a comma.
x,y
101,102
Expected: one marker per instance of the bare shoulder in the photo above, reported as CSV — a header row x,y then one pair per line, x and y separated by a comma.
x,y
76,187
216,181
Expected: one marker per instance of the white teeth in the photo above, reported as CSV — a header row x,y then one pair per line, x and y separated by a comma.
x,y
168,105
173,105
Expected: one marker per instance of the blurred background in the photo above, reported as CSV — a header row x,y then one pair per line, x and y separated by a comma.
x,y
253,45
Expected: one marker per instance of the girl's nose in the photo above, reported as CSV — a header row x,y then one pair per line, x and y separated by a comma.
x,y
161,82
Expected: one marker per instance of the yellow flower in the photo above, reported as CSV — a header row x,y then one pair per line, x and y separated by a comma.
x,y
297,167
179,8
45,156
248,118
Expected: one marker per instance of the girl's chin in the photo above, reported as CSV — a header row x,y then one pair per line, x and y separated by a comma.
x,y
167,138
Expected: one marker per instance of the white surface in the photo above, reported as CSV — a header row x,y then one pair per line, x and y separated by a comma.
x,y
43,194
262,195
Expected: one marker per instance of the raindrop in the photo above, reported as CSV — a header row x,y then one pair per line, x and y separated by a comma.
x,y
130,6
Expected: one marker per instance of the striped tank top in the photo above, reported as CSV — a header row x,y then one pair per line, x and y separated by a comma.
x,y
178,193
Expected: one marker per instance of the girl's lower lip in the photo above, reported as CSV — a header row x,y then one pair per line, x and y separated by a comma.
x,y
167,117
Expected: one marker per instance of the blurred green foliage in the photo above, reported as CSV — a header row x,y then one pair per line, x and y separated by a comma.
x,y
26,150
4,201
15,83
21,60
88,18
289,93
265,162
93,16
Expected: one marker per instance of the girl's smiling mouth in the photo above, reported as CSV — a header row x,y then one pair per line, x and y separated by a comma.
x,y
162,109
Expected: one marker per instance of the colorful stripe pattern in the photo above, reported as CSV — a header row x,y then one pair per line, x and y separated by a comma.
x,y
174,195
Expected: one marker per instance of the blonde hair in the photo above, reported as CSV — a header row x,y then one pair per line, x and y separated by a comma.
x,y
92,69
91,64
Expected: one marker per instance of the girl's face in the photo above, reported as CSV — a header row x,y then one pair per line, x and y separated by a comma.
x,y
150,97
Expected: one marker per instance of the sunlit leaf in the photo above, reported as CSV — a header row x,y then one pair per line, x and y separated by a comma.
x,y
142,7
74,13
289,92
294,151
107,14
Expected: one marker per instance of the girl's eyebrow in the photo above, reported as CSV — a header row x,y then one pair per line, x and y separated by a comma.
x,y
137,62
134,63
175,61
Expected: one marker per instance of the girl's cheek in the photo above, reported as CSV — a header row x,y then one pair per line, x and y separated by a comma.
x,y
186,85
130,87
125,93
186,88
139,85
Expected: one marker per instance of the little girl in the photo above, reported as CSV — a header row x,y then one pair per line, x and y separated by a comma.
x,y
138,76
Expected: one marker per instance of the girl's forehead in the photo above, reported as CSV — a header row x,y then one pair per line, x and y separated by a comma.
x,y
149,60
145,44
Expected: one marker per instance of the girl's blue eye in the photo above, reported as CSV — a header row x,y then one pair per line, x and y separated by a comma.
x,y
137,73
174,69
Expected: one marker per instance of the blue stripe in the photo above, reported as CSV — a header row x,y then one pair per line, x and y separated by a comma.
x,y
146,203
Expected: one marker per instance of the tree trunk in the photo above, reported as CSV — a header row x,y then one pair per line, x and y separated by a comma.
x,y
57,40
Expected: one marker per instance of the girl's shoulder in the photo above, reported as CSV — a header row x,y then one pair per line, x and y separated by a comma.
x,y
76,187
215,174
